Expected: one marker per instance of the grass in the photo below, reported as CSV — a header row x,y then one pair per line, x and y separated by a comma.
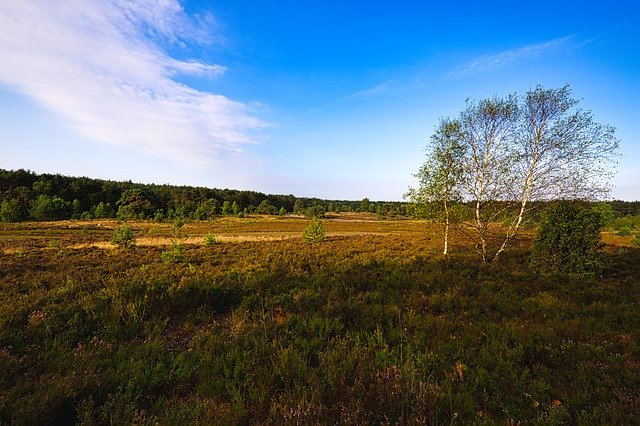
x,y
370,326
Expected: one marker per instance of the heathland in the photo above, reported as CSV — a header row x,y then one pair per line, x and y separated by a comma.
x,y
238,320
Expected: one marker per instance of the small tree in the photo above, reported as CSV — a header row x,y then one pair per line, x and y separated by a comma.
x,y
265,207
227,208
9,210
314,233
134,204
235,208
568,240
124,237
316,211
441,174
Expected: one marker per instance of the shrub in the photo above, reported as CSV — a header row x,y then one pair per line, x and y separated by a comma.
x,y
568,240
314,233
210,240
174,255
124,237
636,240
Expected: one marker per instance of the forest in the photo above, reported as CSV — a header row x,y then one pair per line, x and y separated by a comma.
x,y
26,195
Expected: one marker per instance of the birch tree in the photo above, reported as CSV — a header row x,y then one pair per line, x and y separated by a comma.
x,y
511,152
562,153
488,131
441,174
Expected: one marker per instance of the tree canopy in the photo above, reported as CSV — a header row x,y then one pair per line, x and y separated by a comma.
x,y
502,155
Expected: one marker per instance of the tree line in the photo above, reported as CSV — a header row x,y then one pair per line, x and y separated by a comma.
x,y
26,195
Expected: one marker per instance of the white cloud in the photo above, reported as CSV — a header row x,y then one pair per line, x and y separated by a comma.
x,y
101,66
500,60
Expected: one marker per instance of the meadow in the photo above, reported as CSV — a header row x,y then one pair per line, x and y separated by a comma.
x,y
244,322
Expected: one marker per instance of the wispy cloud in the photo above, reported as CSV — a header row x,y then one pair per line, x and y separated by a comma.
x,y
103,68
373,92
500,60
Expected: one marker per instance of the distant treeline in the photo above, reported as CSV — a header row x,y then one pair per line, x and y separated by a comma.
x,y
25,195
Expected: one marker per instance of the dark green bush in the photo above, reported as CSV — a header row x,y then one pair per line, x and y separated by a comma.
x,y
568,240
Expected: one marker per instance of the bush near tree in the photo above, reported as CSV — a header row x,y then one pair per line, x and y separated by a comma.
x,y
568,240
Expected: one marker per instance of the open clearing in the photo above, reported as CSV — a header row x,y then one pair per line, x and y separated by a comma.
x,y
370,326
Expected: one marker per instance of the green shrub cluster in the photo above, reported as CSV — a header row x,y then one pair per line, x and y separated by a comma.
x,y
176,254
314,233
568,240
124,237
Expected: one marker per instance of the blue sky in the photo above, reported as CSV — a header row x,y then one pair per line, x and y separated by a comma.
x,y
331,99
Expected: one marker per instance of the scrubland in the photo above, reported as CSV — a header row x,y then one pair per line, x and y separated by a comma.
x,y
259,327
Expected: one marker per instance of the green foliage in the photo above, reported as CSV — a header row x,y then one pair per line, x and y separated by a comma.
x,y
227,208
568,240
103,210
9,210
316,211
45,207
636,240
298,207
134,204
314,232
282,211
624,231
210,240
175,254
504,153
235,208
605,210
124,237
206,210
265,207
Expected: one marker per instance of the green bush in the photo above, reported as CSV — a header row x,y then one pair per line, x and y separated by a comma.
x,y
568,240
210,240
636,240
124,237
174,255
314,233
9,211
